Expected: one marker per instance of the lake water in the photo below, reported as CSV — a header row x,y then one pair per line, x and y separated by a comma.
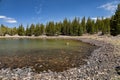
x,y
43,54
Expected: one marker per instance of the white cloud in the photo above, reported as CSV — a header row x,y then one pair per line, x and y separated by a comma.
x,y
11,20
106,17
2,17
110,6
38,9
94,18
8,19
100,18
39,6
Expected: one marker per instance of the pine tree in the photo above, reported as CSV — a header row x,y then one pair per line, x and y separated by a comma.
x,y
83,25
3,30
71,28
75,26
65,27
80,30
97,24
58,27
50,29
106,26
37,30
42,29
32,28
102,26
90,26
68,28
27,32
12,31
115,22
21,31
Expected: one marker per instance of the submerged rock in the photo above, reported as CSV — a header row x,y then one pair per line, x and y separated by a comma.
x,y
101,65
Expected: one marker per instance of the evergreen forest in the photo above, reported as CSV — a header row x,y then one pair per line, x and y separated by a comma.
x,y
75,27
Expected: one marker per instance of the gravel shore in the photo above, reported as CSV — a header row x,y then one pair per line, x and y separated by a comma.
x,y
101,65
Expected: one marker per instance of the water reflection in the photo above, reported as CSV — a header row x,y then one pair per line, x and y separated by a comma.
x,y
43,54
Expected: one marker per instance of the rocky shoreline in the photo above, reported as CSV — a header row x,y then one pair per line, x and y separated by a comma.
x,y
100,65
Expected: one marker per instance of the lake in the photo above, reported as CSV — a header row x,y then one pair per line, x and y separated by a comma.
x,y
43,54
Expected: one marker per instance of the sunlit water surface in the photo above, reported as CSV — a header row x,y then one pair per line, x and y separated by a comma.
x,y
43,54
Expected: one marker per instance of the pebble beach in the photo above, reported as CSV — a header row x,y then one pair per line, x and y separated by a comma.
x,y
101,65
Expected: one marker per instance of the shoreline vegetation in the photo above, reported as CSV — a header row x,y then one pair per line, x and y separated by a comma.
x,y
100,65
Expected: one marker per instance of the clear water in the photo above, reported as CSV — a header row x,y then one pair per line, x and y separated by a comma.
x,y
53,54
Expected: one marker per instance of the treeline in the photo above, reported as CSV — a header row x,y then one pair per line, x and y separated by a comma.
x,y
66,27
36,30
75,27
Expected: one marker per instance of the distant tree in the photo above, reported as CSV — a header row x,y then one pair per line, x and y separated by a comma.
x,y
102,26
32,29
21,31
50,29
3,30
93,27
75,26
65,27
97,25
14,31
83,25
58,27
90,26
71,28
37,31
42,29
80,30
28,32
106,26
115,22
11,32
68,28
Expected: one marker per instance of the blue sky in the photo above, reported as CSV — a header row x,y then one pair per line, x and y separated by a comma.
x,y
16,12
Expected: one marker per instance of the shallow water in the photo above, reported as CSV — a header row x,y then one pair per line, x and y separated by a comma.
x,y
43,54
